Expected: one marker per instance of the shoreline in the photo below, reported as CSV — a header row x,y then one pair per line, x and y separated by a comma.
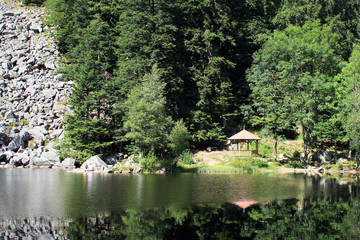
x,y
281,170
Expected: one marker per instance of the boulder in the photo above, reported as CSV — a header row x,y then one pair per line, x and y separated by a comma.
x,y
11,115
21,159
93,163
4,137
137,170
15,143
111,160
68,163
36,161
36,27
38,134
49,93
25,135
9,154
3,158
322,156
50,65
50,156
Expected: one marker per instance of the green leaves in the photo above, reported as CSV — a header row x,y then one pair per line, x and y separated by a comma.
x,y
179,138
293,78
350,88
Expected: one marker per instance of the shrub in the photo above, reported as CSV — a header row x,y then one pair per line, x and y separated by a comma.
x,y
248,163
186,157
149,162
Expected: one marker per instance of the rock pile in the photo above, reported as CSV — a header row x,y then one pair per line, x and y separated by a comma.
x,y
34,228
32,96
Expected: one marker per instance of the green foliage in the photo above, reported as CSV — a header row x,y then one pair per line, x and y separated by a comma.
x,y
179,138
186,157
292,79
204,49
350,77
150,162
295,164
146,120
248,163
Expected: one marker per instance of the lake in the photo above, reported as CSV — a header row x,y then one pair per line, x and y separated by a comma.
x,y
56,204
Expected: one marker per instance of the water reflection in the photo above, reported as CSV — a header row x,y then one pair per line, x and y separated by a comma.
x,y
57,204
313,218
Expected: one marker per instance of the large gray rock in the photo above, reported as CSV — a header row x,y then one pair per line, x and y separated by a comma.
x,y
36,27
25,135
50,65
93,163
11,115
50,156
68,163
15,143
4,137
21,159
111,160
3,158
38,134
36,161
49,93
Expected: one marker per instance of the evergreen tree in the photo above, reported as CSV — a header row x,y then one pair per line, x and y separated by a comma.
x,y
179,138
89,128
146,120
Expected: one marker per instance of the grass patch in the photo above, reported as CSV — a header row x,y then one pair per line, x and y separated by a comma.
x,y
235,164
248,163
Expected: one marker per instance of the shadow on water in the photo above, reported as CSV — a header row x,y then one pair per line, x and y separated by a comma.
x,y
61,205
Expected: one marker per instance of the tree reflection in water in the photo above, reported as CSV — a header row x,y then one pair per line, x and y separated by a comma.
x,y
315,218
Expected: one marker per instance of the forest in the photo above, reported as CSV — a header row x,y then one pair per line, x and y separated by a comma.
x,y
159,77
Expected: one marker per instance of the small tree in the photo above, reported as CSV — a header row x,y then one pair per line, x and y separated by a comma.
x,y
179,138
146,120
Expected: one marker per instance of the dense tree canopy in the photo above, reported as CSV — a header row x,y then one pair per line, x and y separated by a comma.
x,y
290,50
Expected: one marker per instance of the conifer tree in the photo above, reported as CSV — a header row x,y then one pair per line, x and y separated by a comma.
x,y
146,120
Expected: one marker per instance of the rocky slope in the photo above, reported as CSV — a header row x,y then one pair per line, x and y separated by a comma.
x,y
32,95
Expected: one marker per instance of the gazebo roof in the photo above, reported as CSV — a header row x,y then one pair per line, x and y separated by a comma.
x,y
244,135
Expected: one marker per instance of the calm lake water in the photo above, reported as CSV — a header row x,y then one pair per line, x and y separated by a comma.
x,y
58,204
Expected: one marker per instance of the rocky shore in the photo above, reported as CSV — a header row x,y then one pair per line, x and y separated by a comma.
x,y
32,95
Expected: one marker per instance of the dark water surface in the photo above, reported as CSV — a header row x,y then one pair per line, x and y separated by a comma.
x,y
58,204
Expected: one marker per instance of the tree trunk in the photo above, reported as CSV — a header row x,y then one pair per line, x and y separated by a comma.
x,y
349,156
141,153
275,147
305,142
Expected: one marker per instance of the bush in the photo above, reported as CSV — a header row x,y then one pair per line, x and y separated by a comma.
x,y
266,149
186,157
248,163
149,162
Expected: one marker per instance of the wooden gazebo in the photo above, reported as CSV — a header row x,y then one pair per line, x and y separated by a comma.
x,y
242,142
